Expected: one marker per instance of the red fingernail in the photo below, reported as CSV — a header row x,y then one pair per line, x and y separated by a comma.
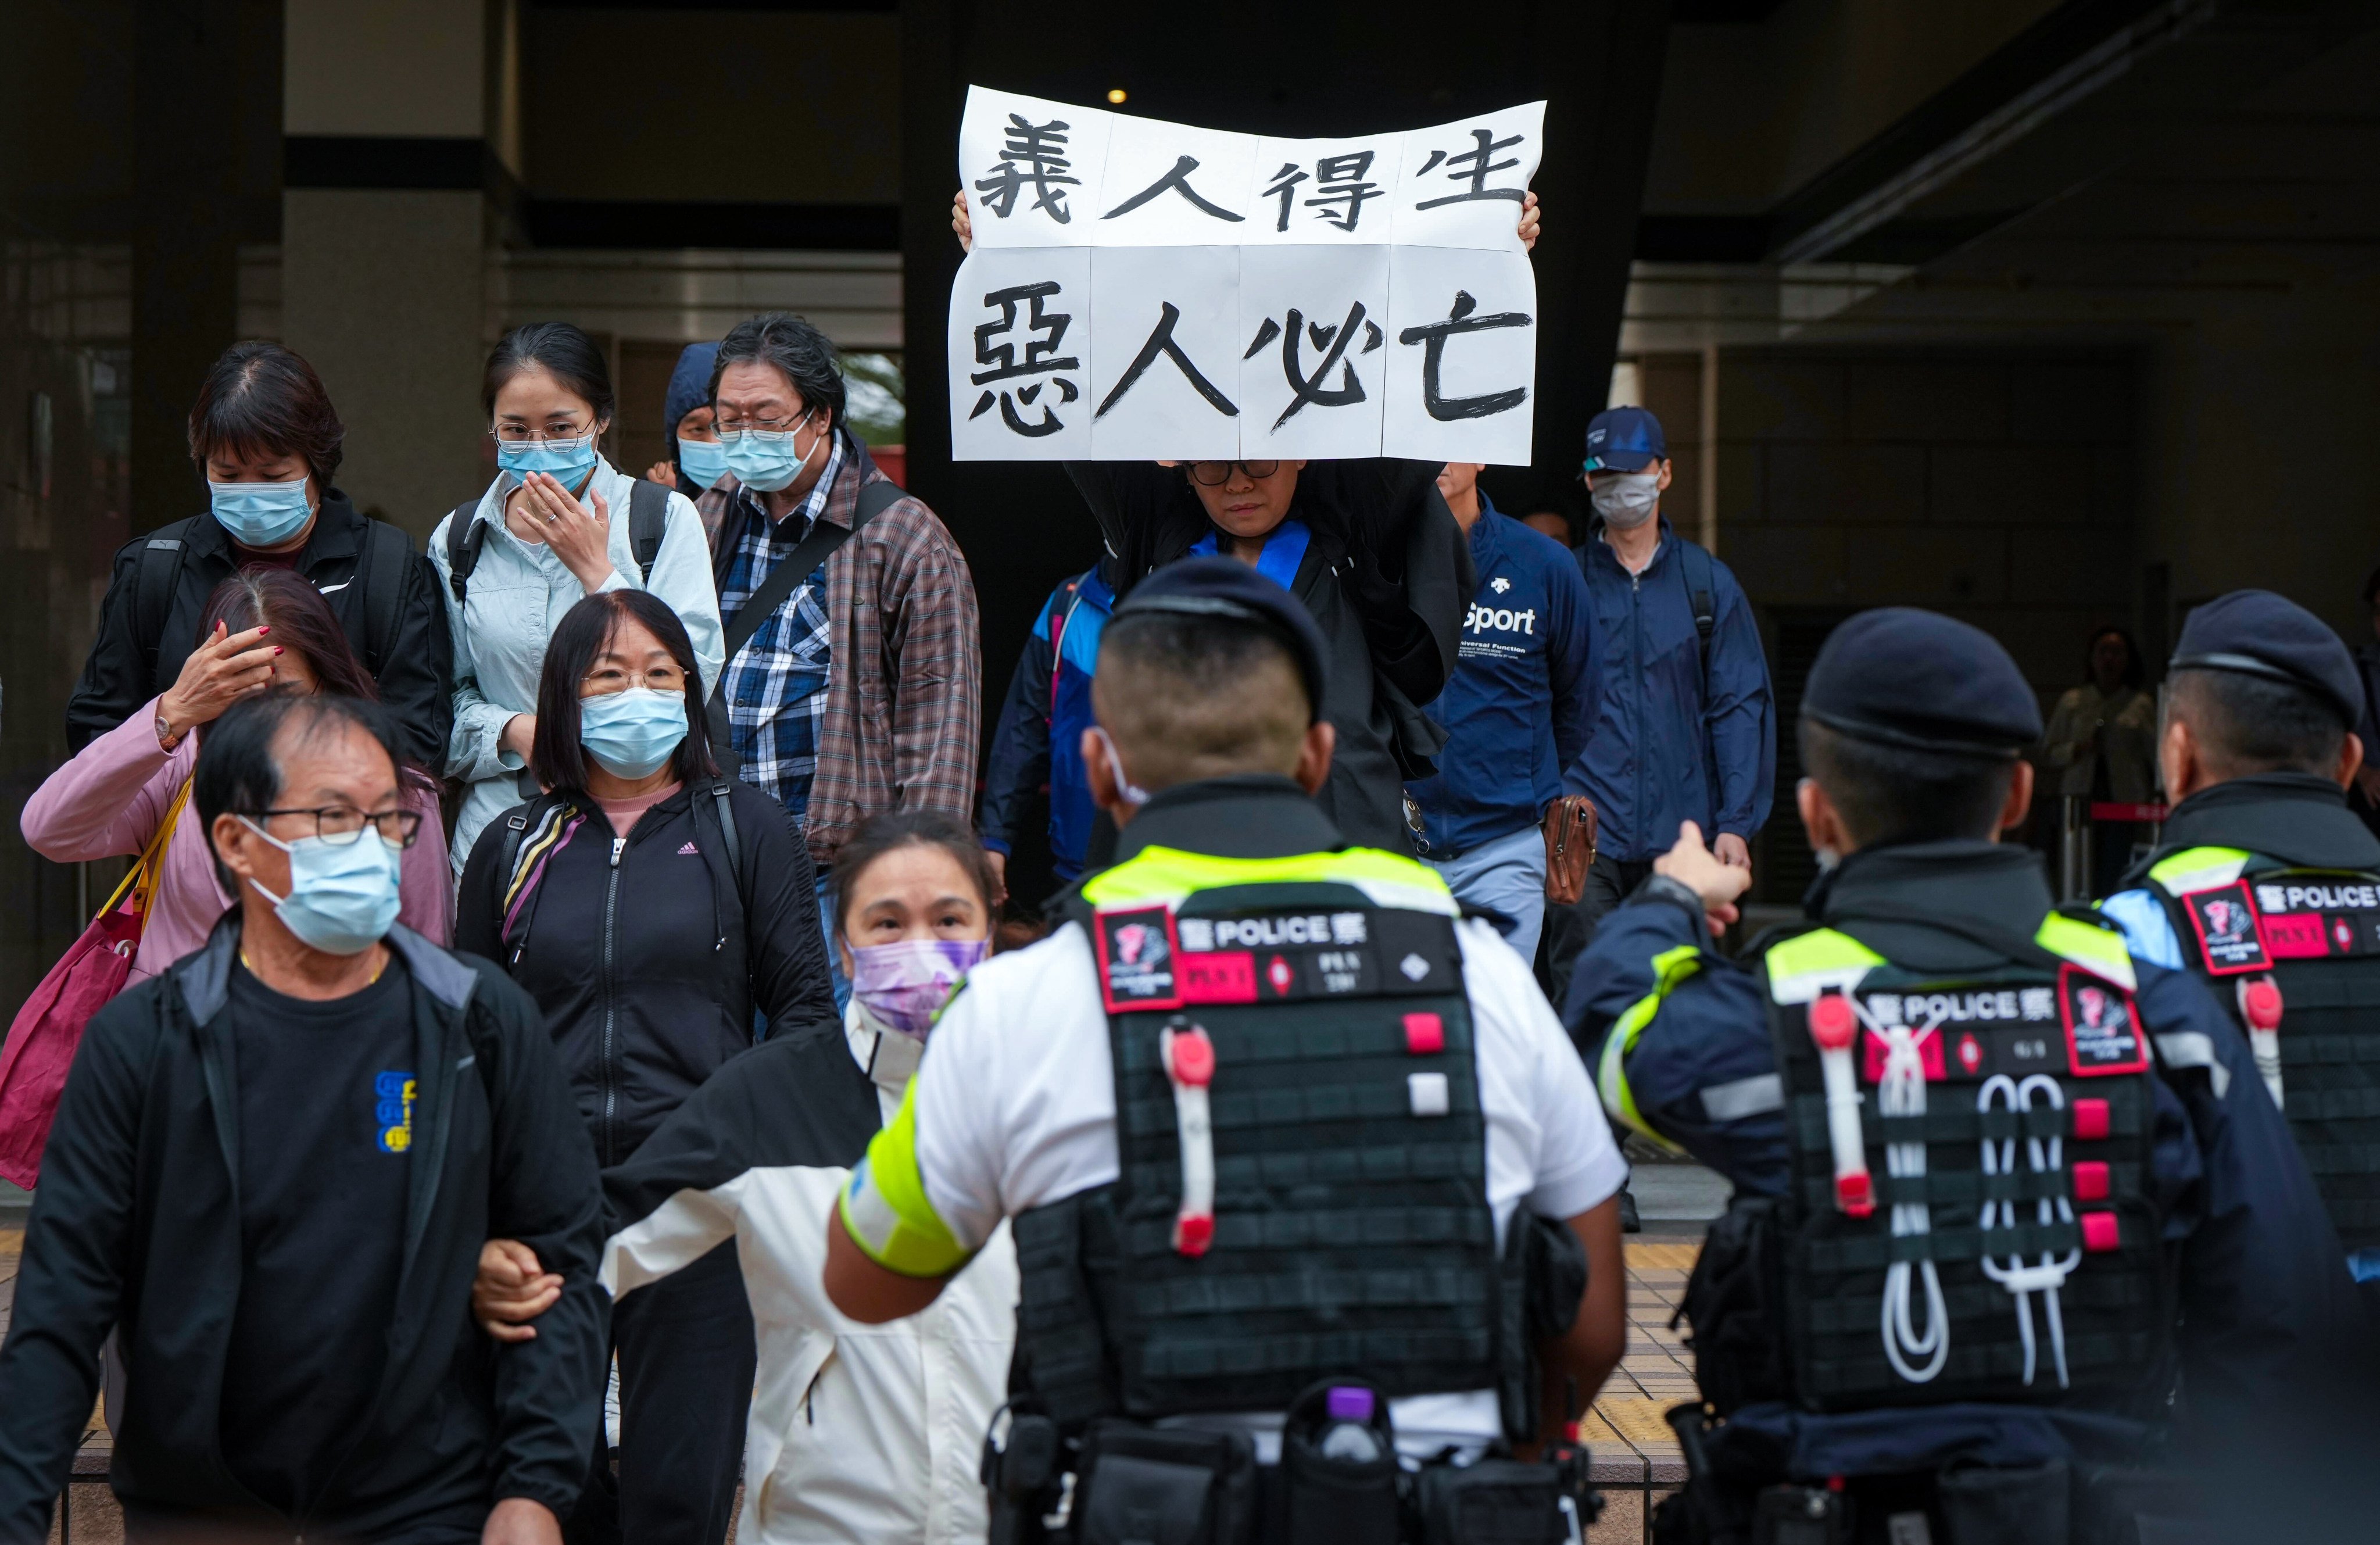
x,y
263,630
278,649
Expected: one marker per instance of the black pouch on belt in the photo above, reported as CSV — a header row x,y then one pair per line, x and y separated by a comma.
x,y
2027,1506
1337,1484
1151,1486
1494,1502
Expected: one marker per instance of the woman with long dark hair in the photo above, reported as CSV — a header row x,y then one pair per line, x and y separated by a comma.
x,y
558,524
262,630
2102,742
653,910
268,442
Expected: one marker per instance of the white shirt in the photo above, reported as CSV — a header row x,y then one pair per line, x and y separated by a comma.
x,y
1016,1108
864,1434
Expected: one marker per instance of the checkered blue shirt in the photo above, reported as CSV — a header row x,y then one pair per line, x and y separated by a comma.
x,y
776,684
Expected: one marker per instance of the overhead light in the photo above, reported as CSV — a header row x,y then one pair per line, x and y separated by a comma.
x,y
1115,94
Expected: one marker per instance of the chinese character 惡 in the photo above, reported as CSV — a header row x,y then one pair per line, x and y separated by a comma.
x,y
1333,341
1041,357
1481,157
1160,342
1338,180
1035,153
1178,180
1433,337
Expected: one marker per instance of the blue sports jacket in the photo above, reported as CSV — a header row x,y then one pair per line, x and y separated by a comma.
x,y
1515,712
1039,736
1659,750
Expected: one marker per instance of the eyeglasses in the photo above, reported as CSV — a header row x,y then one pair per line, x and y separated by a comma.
x,y
525,434
733,429
341,824
1215,474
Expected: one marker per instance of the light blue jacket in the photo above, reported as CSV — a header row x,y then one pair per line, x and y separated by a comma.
x,y
518,593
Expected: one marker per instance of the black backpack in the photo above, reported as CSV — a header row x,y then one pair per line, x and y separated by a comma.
x,y
648,522
367,608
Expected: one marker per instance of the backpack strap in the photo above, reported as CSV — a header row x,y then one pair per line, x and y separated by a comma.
x,y
532,831
379,575
783,579
157,575
648,523
728,906
1059,618
1702,598
465,537
726,809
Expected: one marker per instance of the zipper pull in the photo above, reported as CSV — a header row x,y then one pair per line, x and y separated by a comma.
x,y
618,843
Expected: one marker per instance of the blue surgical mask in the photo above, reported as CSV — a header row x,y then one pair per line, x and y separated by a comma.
x,y
569,460
342,896
632,733
703,462
260,514
765,460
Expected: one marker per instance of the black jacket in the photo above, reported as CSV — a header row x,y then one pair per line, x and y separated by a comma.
x,y
1389,576
646,954
414,665
137,1225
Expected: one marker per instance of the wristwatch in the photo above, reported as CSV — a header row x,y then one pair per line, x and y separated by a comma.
x,y
167,736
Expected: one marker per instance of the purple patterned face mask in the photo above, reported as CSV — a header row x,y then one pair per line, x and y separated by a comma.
x,y
903,984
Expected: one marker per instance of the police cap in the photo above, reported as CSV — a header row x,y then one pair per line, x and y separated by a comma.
x,y
1226,588
2258,633
1908,678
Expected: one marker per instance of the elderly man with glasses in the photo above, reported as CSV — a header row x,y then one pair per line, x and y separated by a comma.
x,y
273,1172
854,673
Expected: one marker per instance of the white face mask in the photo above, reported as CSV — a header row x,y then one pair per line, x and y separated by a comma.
x,y
1626,499
1130,792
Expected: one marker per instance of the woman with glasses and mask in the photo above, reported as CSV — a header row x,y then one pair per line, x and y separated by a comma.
x,y
263,630
559,524
652,909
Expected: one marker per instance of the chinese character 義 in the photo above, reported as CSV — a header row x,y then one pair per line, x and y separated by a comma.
x,y
1035,153
1041,357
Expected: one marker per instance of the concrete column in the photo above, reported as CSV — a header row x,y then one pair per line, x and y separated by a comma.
x,y
387,220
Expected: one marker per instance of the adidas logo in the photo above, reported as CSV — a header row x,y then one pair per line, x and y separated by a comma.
x,y
688,849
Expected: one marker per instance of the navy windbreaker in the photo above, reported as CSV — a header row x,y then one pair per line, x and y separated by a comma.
x,y
1658,752
1515,712
1040,738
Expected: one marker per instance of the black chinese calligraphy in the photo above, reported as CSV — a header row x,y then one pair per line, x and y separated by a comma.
x,y
1480,162
1334,342
1161,343
1178,180
1034,154
1433,337
1340,186
1041,357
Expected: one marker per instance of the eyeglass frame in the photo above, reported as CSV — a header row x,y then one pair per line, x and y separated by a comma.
x,y
532,435
728,432
1248,466
408,823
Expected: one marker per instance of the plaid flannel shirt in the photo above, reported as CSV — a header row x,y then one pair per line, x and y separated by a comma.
x,y
777,683
904,710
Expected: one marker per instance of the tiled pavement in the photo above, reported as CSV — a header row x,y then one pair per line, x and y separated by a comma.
x,y
1634,1450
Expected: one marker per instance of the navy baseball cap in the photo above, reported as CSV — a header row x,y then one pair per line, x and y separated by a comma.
x,y
1624,440
1903,676
2258,633
1222,587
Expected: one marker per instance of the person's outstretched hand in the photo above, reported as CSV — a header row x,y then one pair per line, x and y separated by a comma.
x,y
962,226
1711,878
509,1290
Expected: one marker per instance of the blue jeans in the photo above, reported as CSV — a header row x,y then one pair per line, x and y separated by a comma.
x,y
1505,877
833,956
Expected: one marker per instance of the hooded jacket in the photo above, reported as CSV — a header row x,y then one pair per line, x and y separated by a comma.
x,y
648,953
1039,742
1386,572
137,1225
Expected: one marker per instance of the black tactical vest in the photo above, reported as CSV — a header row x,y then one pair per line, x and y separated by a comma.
x,y
2315,935
2033,1146
1351,1234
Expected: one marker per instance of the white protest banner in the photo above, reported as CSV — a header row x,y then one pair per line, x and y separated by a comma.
x,y
1141,289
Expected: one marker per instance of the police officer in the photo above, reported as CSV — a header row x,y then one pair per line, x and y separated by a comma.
x,y
1290,1147
1982,1155
2266,886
